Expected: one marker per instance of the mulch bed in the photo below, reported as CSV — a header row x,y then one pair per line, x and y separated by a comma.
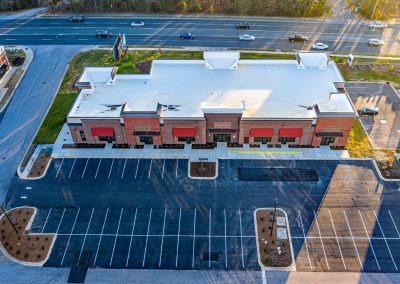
x,y
144,66
268,245
203,169
389,170
40,164
22,246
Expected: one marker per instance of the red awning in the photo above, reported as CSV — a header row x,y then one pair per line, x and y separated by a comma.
x,y
183,132
261,132
103,131
290,132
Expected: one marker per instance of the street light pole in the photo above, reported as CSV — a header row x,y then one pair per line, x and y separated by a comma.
x,y
273,218
9,220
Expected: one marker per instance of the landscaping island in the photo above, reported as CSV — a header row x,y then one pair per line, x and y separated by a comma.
x,y
207,170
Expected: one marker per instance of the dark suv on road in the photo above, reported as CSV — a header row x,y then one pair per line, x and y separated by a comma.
x,y
76,19
103,34
298,38
243,26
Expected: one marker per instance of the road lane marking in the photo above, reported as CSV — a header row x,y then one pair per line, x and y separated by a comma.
x,y
62,217
209,239
226,249
10,39
176,168
179,232
162,238
147,238
384,237
369,240
194,236
109,173
163,168
46,39
130,242
322,243
69,238
241,236
151,163
73,165
123,170
305,240
101,236
98,167
337,240
116,236
59,168
84,170
395,226
354,242
87,230
137,168
47,218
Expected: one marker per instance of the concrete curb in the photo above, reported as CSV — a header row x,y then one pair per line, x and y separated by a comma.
x,y
291,267
28,226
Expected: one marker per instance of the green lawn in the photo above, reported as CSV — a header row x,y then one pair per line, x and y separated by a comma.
x,y
370,75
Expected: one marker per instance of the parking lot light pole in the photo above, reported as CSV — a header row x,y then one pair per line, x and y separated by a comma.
x,y
8,218
273,217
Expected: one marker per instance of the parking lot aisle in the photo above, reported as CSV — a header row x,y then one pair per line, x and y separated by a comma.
x,y
91,168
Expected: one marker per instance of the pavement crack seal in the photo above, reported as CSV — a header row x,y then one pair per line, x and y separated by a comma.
x,y
24,248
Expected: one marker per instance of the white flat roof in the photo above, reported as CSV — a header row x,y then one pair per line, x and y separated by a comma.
x,y
260,89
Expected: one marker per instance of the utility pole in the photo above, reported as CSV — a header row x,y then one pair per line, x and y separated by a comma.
x,y
273,218
9,220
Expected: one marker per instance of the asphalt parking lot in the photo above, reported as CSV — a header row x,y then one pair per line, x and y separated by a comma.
x,y
383,129
146,213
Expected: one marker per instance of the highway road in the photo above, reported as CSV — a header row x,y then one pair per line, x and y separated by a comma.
x,y
349,35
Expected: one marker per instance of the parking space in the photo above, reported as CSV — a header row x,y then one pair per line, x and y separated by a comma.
x,y
113,169
151,237
384,128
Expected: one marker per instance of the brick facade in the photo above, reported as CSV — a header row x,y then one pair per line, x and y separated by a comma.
x,y
198,125
88,124
149,124
332,125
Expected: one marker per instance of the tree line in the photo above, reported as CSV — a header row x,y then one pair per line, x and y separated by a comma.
x,y
294,8
12,5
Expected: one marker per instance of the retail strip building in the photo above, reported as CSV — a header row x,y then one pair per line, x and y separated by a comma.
x,y
218,99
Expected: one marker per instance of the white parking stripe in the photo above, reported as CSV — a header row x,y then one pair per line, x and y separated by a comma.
x,y
101,236
384,237
176,168
226,249
177,244
241,235
123,170
73,165
62,217
109,173
84,170
337,240
98,167
209,239
137,168
47,218
369,240
69,238
162,238
147,238
322,243
305,240
87,230
116,236
59,168
194,236
130,242
163,168
354,242
151,162
395,226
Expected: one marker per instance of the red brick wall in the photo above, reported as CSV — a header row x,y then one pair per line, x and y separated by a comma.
x,y
88,124
336,124
223,121
199,125
141,124
308,131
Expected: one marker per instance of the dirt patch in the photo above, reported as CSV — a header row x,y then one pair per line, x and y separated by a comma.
x,y
11,86
274,252
390,169
40,164
31,248
203,169
144,66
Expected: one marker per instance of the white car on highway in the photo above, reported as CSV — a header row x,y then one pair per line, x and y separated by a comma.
x,y
377,25
246,37
137,24
376,42
320,46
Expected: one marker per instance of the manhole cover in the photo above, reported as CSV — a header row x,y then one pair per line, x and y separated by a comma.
x,y
281,233
281,221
